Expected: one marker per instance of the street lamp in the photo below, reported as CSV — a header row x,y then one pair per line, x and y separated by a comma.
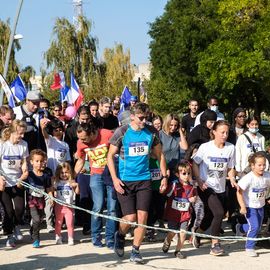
x,y
11,39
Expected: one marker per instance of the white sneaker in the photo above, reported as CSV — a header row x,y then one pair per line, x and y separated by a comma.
x,y
17,233
251,253
50,229
58,240
70,241
237,230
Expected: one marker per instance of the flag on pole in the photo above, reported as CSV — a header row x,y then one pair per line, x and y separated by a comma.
x,y
72,95
125,99
18,89
59,81
7,90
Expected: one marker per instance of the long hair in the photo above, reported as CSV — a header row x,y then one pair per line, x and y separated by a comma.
x,y
60,167
6,133
167,121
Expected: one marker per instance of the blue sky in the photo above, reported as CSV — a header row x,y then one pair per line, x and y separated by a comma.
x,y
122,21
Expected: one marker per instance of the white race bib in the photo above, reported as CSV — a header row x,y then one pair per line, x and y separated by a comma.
x,y
180,204
11,162
155,174
138,149
60,154
218,164
258,195
65,193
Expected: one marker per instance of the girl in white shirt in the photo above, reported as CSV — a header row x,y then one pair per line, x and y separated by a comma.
x,y
251,197
244,148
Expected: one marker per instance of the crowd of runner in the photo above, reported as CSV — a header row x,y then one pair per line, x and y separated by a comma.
x,y
182,174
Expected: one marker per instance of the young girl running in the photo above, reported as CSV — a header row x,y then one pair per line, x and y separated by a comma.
x,y
178,208
251,197
65,187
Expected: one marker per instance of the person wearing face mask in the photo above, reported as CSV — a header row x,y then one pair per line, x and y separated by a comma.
x,y
213,106
249,142
201,133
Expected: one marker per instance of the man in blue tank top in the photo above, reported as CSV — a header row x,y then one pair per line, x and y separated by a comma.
x,y
134,143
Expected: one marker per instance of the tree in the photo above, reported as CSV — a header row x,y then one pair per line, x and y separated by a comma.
x,y
178,36
4,40
118,70
26,74
237,64
72,50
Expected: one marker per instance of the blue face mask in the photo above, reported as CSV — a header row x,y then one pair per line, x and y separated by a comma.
x,y
253,130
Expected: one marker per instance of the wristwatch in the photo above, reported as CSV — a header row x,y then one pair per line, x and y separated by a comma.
x,y
165,176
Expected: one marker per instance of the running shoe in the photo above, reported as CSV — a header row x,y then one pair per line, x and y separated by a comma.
x,y
238,230
11,241
58,240
119,244
217,250
50,229
70,241
97,243
36,244
17,233
166,246
178,254
136,257
251,253
110,245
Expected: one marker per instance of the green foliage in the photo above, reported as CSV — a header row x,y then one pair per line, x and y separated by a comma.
x,y
4,41
204,48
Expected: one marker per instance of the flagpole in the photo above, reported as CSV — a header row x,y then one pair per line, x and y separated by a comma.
x,y
11,39
138,88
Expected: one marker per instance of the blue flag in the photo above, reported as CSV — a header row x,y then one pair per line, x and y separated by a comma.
x,y
18,89
125,99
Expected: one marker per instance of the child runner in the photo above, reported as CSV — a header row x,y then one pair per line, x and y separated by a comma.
x,y
65,187
178,209
251,197
36,201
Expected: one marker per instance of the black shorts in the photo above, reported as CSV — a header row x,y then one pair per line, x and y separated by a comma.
x,y
137,196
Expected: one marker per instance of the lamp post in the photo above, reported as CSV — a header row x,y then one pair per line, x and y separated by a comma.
x,y
11,39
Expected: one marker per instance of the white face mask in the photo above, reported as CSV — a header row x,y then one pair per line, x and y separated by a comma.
x,y
214,108
253,130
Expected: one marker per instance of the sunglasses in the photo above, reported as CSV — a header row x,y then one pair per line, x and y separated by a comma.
x,y
141,118
241,116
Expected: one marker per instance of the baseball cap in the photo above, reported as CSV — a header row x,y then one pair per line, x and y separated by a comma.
x,y
133,98
33,95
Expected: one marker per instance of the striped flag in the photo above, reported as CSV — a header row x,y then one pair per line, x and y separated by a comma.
x,y
7,90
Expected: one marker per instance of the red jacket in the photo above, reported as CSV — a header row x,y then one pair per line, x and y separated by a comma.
x,y
178,207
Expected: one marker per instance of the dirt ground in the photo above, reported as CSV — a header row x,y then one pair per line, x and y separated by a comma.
x,y
84,256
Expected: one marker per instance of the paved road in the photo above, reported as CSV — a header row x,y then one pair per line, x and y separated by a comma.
x,y
84,256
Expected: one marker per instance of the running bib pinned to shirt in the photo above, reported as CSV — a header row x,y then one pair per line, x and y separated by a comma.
x,y
138,149
155,174
258,194
180,204
218,163
11,162
60,154
65,193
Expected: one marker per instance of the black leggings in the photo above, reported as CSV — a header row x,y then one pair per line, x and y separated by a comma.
x,y
37,215
13,214
213,210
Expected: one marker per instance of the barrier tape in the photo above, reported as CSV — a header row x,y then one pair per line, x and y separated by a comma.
x,y
223,238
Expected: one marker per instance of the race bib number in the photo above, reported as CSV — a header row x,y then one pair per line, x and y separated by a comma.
x,y
258,195
60,154
155,174
37,194
138,149
180,204
218,164
11,162
65,193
